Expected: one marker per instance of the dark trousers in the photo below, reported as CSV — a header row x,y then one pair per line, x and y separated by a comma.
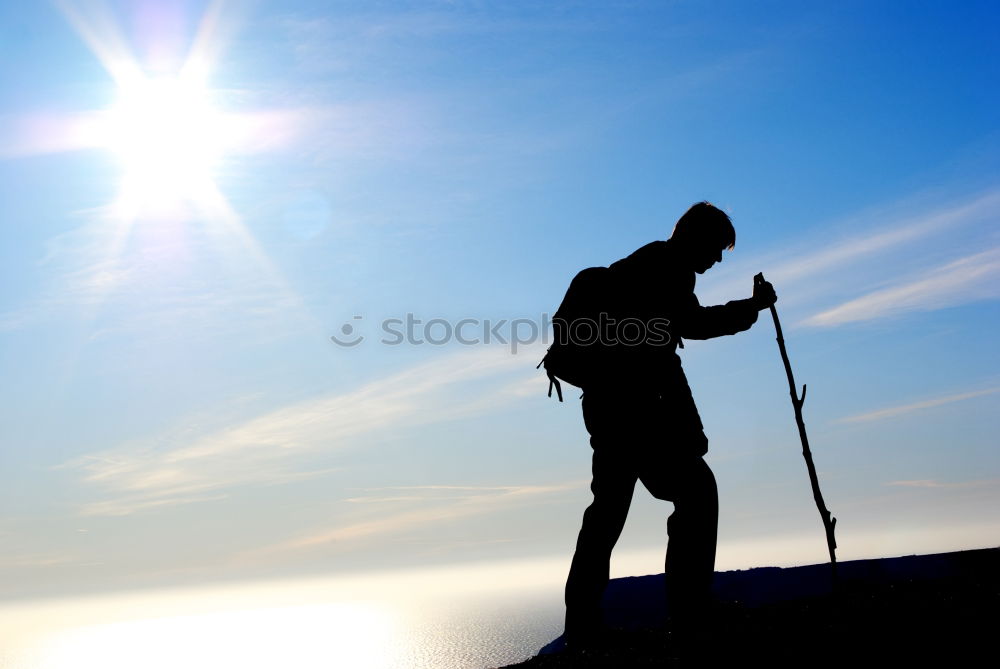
x,y
644,437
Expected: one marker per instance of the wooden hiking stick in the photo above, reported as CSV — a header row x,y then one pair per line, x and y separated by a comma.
x,y
829,522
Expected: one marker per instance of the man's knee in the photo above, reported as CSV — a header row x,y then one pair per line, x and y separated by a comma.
x,y
603,522
699,491
607,511
685,483
703,484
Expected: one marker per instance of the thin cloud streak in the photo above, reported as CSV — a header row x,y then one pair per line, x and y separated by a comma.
x,y
803,275
36,560
157,497
892,412
279,446
482,500
968,279
909,229
436,492
933,483
127,507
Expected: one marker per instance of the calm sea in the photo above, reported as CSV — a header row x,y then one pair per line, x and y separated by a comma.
x,y
434,619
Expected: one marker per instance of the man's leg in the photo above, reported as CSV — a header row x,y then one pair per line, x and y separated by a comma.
x,y
690,564
613,484
673,469
603,521
692,529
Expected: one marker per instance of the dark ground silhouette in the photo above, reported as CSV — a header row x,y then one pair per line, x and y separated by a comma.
x,y
931,610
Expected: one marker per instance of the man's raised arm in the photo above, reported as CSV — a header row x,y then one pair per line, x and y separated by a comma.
x,y
693,321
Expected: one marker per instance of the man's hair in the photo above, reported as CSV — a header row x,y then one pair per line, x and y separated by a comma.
x,y
705,221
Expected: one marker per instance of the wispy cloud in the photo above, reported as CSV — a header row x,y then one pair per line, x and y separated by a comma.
x,y
911,228
933,483
425,493
892,412
278,446
968,279
471,501
860,273
35,560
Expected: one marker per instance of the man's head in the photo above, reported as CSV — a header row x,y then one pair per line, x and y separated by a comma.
x,y
702,233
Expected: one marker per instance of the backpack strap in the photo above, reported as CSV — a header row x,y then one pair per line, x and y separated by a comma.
x,y
553,381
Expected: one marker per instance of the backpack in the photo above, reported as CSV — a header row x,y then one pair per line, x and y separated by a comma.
x,y
571,357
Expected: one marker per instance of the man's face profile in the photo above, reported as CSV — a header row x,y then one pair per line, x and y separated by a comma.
x,y
704,254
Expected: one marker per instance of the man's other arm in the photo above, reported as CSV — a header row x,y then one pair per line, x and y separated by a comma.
x,y
694,321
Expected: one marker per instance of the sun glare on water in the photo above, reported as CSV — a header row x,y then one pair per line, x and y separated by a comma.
x,y
299,637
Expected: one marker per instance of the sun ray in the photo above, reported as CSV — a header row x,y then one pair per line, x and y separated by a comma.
x,y
214,30
41,134
227,227
98,29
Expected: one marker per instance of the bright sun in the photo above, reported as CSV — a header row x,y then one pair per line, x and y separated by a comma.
x,y
168,137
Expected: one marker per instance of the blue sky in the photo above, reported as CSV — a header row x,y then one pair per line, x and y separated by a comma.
x,y
174,408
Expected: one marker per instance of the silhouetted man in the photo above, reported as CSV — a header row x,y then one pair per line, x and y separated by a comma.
x,y
643,422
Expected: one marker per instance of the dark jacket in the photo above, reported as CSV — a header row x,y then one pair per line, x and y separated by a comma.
x,y
652,286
